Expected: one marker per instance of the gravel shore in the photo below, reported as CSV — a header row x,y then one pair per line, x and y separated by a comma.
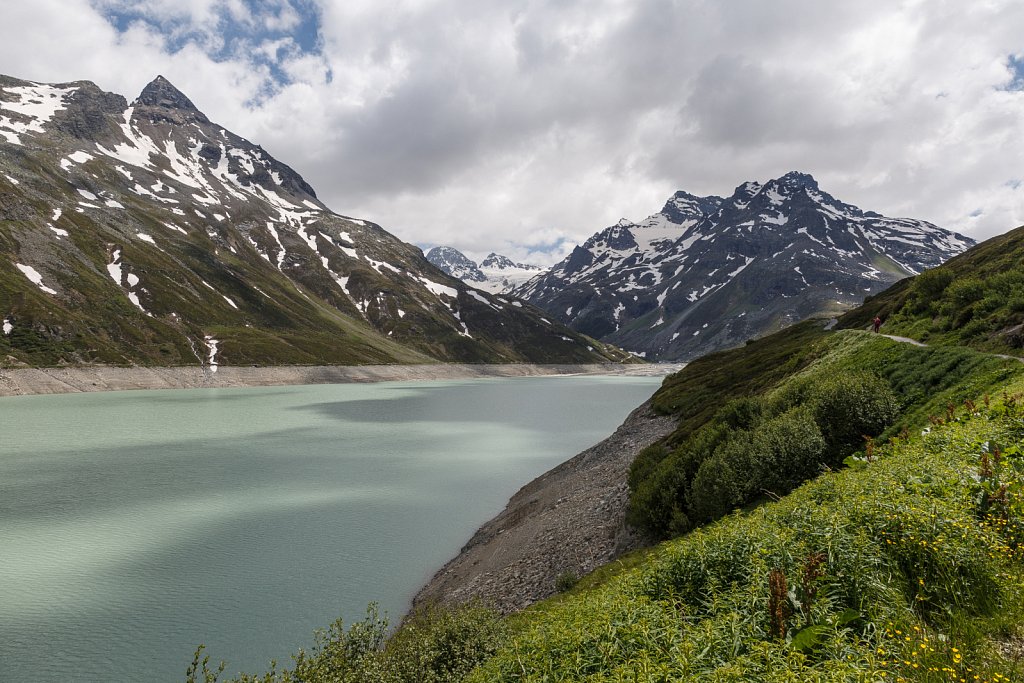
x,y
570,519
22,381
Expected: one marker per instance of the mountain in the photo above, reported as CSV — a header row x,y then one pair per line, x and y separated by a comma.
x,y
707,273
144,233
496,274
456,264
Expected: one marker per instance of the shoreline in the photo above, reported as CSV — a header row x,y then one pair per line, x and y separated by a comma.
x,y
569,520
66,380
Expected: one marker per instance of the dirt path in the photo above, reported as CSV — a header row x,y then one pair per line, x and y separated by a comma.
x,y
905,340
908,340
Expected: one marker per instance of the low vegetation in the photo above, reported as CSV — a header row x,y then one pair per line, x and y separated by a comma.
x,y
847,390
975,299
840,507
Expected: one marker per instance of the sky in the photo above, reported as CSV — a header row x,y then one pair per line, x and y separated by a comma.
x,y
525,126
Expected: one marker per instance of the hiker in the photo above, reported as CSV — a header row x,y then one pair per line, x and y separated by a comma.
x,y
876,323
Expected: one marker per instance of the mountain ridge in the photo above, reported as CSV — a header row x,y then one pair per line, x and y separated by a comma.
x,y
709,272
145,234
496,273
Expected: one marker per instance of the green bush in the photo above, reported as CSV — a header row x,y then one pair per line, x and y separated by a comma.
x,y
849,407
433,645
966,291
566,581
757,446
792,450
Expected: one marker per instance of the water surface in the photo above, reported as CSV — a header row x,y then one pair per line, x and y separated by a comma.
x,y
135,525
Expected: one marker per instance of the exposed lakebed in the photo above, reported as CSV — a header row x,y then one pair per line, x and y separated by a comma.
x,y
135,525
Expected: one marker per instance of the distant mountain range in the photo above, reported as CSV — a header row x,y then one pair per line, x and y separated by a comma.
x,y
707,273
496,273
144,233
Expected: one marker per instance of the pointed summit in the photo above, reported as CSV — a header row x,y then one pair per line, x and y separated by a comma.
x,y
161,101
798,179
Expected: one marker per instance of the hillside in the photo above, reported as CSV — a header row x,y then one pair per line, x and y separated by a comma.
x,y
144,233
975,299
848,508
707,273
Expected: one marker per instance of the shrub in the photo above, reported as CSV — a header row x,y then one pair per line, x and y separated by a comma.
x,y
791,448
849,407
966,291
566,581
715,489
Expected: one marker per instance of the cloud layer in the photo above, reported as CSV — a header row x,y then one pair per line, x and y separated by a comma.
x,y
525,127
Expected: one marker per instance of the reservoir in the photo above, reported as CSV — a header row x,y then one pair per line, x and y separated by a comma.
x,y
135,525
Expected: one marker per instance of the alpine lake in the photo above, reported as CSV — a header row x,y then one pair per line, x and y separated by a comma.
x,y
136,525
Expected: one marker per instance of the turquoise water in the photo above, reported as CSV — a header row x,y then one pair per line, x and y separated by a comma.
x,y
136,525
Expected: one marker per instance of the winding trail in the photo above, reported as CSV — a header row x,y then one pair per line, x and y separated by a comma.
x,y
908,340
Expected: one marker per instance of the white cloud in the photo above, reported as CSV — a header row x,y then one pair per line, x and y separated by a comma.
x,y
483,124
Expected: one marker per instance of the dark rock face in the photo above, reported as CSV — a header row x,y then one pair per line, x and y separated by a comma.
x,y
145,234
161,101
455,263
89,111
708,273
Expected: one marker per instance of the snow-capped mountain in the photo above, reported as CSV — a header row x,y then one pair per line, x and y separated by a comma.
x,y
707,273
145,233
456,264
496,274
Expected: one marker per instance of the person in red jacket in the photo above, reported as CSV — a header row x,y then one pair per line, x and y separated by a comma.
x,y
876,323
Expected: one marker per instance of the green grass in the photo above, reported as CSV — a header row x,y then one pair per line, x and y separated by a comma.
x,y
904,563
975,299
906,566
877,562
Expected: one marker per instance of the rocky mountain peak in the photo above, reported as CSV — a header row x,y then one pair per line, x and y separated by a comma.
x,y
455,263
494,260
211,252
162,101
683,206
689,280
796,179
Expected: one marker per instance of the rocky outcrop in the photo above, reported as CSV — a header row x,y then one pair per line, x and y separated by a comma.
x,y
569,520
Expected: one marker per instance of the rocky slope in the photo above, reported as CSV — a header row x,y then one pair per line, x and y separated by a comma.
x,y
496,274
144,233
569,520
707,273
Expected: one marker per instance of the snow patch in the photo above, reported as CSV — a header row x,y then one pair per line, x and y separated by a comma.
x,y
438,289
34,277
114,267
211,345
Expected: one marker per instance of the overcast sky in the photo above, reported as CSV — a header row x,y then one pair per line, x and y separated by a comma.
x,y
525,126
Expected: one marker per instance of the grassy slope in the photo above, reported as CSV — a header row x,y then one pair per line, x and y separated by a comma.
x,y
902,569
907,566
906,546
975,299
